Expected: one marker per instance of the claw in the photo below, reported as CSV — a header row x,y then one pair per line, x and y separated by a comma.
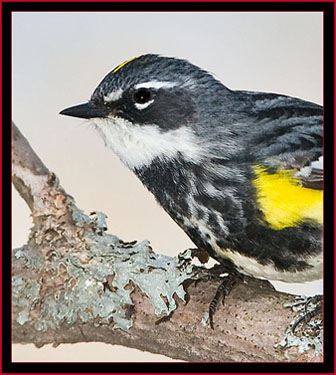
x,y
308,315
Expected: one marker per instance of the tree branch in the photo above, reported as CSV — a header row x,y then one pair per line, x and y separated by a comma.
x,y
29,173
73,282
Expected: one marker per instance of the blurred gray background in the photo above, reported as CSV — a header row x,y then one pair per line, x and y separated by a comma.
x,y
59,58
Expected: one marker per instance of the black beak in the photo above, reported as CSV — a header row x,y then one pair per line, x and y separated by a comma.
x,y
86,110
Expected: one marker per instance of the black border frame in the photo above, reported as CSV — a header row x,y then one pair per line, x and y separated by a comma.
x,y
328,365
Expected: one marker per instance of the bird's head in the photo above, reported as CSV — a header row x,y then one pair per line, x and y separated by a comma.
x,y
153,106
149,89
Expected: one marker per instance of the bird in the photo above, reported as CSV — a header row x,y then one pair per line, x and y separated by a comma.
x,y
241,172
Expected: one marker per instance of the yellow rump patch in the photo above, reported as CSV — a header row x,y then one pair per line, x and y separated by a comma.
x,y
124,63
283,201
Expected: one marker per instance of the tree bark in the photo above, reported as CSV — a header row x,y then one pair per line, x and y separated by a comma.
x,y
247,328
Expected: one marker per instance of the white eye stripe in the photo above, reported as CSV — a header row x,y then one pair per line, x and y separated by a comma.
x,y
155,85
144,105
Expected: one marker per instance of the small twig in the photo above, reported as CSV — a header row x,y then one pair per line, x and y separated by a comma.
x,y
27,169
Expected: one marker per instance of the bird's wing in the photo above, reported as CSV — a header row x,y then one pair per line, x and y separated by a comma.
x,y
289,135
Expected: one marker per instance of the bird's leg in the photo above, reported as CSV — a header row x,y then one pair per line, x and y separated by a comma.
x,y
223,291
228,277
206,274
308,315
228,280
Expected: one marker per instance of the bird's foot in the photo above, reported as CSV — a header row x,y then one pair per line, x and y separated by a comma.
x,y
228,279
217,272
223,272
223,290
315,301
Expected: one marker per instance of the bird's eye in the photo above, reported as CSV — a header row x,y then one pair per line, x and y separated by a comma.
x,y
142,96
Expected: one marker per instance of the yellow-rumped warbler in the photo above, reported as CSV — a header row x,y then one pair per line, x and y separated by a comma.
x,y
240,172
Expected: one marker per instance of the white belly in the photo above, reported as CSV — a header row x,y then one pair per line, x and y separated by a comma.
x,y
251,267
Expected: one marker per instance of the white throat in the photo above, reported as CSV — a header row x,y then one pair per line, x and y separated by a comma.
x,y
138,145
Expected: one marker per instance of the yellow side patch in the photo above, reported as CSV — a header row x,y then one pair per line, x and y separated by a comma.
x,y
283,201
124,63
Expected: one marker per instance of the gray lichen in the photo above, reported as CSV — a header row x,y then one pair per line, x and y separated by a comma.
x,y
99,281
303,343
30,289
311,336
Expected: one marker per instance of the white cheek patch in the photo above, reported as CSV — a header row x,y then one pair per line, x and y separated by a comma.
x,y
144,105
137,146
113,96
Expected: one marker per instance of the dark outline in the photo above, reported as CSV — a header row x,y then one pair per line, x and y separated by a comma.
x,y
328,8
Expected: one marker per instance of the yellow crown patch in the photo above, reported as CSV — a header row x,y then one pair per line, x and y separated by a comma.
x,y
124,63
